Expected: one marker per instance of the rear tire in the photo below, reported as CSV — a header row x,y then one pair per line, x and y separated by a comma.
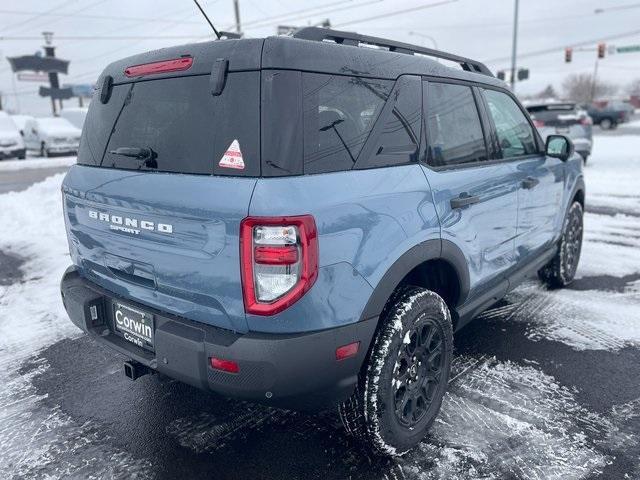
x,y
403,383
606,124
561,270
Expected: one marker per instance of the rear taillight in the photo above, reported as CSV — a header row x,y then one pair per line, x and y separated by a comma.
x,y
538,123
165,66
279,260
586,121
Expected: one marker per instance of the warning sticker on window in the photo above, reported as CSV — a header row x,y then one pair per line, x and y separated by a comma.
x,y
232,158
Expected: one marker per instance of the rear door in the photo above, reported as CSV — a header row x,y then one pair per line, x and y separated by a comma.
x,y
475,198
540,179
164,230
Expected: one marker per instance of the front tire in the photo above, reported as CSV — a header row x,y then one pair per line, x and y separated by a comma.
x,y
405,378
561,270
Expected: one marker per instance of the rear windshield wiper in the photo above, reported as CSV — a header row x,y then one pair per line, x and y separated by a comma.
x,y
145,154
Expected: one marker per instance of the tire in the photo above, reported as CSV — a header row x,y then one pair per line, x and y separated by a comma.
x,y
403,382
561,270
43,150
606,123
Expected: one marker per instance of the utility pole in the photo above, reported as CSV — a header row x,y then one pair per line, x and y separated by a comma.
x,y
50,51
514,48
236,9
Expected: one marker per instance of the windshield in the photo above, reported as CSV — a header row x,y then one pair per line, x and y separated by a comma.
x,y
6,124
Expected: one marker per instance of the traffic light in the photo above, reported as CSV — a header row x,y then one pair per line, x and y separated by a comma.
x,y
568,53
601,49
500,75
523,74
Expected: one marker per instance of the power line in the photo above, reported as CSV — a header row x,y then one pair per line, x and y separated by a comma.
x,y
41,14
397,12
100,17
582,43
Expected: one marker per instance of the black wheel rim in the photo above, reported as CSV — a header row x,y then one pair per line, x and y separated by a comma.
x,y
572,244
418,372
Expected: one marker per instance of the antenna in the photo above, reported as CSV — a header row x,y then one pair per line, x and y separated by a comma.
x,y
207,19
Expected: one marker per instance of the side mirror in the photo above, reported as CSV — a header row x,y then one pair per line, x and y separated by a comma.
x,y
559,146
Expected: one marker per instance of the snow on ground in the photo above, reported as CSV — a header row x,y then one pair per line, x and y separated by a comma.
x,y
38,442
612,172
502,420
607,319
38,162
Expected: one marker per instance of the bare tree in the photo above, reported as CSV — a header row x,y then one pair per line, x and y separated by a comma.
x,y
548,92
580,88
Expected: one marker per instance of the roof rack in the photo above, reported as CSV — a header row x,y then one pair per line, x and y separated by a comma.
x,y
319,34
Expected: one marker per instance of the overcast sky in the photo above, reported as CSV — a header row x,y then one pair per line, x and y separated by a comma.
x,y
481,29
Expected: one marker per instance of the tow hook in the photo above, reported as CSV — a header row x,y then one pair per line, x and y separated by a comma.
x,y
134,370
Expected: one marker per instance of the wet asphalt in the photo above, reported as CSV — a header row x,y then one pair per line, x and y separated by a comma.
x,y
177,431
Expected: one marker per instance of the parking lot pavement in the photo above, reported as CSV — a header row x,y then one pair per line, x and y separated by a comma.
x,y
544,385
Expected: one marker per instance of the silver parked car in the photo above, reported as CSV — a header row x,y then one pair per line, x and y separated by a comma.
x,y
564,118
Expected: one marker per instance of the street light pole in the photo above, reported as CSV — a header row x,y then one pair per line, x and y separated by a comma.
x,y
514,47
236,10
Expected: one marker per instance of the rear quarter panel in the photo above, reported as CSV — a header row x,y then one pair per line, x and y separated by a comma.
x,y
366,220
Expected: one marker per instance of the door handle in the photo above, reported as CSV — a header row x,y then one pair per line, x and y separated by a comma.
x,y
529,183
464,200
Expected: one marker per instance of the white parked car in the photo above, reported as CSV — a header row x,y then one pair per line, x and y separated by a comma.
x,y
11,144
49,135
75,115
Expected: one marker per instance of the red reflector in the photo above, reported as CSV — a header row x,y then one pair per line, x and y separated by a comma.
x,y
276,255
175,65
224,365
347,351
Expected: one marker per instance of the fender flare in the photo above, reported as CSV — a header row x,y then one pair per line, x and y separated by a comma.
x,y
435,249
578,186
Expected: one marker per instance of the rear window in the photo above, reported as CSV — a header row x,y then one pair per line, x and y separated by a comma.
x,y
548,113
188,129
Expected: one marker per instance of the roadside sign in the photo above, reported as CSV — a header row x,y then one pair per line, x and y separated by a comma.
x,y
628,49
81,89
33,77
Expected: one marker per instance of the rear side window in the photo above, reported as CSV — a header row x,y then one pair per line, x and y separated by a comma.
x,y
454,130
188,129
338,115
515,134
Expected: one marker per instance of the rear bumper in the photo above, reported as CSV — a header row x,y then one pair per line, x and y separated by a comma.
x,y
293,370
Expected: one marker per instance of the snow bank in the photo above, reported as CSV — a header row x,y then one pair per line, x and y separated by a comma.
x,y
37,162
37,439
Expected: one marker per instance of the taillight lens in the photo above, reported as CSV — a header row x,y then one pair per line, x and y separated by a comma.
x,y
165,66
586,121
279,260
538,123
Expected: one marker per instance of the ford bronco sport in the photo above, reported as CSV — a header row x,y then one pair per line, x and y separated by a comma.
x,y
305,221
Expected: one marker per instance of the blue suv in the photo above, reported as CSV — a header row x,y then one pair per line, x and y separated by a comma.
x,y
305,221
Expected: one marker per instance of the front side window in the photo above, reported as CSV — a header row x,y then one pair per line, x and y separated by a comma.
x,y
338,115
515,134
454,129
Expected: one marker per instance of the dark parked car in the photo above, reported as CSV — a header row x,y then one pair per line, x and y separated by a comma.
x,y
610,116
564,118
304,222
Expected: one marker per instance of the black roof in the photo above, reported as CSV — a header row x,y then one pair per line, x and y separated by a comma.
x,y
308,51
